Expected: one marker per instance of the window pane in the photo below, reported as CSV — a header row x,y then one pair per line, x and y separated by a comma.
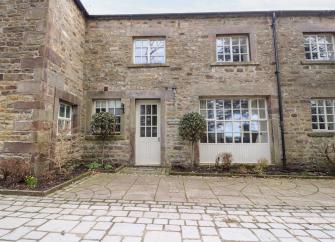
x,y
211,138
142,131
142,121
62,110
154,120
68,111
210,114
142,109
154,132
203,104
203,138
148,121
210,104
220,138
148,132
219,127
229,137
246,137
148,109
211,127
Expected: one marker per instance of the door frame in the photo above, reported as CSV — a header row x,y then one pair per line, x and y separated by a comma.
x,y
161,131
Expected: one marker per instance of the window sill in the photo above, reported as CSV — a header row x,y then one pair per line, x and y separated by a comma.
x,y
111,138
321,134
147,65
317,62
250,63
66,137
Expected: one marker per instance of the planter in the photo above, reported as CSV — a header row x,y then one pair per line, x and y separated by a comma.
x,y
45,192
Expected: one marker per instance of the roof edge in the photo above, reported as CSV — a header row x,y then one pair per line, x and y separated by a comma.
x,y
288,13
82,8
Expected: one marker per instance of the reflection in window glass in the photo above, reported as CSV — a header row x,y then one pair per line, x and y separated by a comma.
x,y
229,121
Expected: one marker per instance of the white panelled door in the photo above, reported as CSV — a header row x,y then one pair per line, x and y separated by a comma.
x,y
148,147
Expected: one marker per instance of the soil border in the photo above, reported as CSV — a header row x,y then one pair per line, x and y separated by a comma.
x,y
180,173
44,192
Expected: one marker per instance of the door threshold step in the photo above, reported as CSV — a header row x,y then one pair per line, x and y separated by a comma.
x,y
144,170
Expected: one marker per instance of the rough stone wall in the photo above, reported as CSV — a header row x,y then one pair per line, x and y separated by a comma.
x,y
300,83
41,46
190,47
64,72
22,59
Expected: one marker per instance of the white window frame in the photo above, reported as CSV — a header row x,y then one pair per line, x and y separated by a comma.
x,y
241,120
318,51
149,51
231,37
108,107
66,118
324,108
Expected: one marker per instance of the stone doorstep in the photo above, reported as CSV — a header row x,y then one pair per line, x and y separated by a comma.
x,y
148,170
45,192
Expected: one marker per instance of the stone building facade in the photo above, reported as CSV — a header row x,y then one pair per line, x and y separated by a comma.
x,y
53,52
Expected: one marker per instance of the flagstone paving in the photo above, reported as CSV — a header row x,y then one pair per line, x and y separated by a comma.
x,y
217,190
284,210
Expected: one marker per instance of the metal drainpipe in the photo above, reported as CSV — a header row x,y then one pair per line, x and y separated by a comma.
x,y
280,100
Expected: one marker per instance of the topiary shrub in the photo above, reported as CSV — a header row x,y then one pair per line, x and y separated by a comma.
x,y
103,125
191,128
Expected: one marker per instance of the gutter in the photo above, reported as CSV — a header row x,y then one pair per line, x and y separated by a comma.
x,y
279,90
82,8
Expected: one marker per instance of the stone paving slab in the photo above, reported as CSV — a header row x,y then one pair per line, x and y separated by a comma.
x,y
157,208
216,190
70,220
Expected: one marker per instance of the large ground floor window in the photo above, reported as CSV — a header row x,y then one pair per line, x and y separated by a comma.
x,y
235,120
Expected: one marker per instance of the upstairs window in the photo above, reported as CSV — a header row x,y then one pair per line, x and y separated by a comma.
x,y
232,49
323,114
319,47
64,119
149,51
112,106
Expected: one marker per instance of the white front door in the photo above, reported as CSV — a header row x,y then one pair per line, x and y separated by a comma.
x,y
148,147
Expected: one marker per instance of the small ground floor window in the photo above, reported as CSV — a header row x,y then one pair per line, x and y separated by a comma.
x,y
323,114
113,106
64,118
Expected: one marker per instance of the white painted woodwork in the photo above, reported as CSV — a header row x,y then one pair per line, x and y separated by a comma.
x,y
148,149
242,153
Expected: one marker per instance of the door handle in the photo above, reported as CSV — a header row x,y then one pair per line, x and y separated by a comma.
x,y
159,139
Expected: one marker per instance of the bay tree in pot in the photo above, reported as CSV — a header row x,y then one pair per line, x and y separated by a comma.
x,y
192,126
103,125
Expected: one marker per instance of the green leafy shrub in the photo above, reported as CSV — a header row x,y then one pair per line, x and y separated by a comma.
x,y
191,128
94,165
103,125
260,166
108,166
31,181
